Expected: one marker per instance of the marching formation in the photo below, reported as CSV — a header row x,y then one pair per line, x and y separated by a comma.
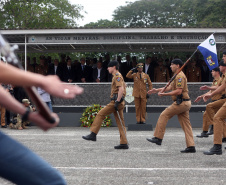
x,y
213,117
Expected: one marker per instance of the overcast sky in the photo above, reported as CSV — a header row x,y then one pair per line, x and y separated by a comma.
x,y
98,9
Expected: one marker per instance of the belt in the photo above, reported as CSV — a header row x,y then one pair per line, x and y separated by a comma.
x,y
223,96
186,99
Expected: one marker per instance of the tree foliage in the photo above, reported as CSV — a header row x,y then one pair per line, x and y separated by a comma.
x,y
171,13
102,23
210,13
38,14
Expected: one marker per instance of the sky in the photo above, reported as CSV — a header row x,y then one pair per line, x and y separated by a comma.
x,y
98,9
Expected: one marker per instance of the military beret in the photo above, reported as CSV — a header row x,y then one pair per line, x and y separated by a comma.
x,y
177,61
25,101
140,65
222,63
113,63
216,69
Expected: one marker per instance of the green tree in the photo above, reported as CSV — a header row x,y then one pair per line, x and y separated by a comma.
x,y
102,23
210,13
27,14
171,13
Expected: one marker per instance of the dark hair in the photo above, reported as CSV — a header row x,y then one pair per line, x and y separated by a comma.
x,y
177,61
224,52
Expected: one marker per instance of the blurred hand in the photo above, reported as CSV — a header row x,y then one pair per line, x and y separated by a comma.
x,y
206,97
161,94
116,105
204,87
55,87
152,91
198,99
41,122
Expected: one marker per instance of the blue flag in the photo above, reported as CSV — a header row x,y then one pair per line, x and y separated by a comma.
x,y
209,52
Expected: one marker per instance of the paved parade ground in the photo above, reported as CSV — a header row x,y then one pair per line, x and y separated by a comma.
x,y
85,162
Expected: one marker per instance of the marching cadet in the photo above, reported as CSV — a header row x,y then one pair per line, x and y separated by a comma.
x,y
161,72
140,91
218,119
20,125
216,82
116,106
180,107
193,72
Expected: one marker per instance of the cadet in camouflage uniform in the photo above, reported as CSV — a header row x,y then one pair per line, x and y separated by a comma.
x,y
22,125
117,104
140,91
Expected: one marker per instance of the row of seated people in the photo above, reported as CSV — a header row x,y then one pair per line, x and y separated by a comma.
x,y
83,71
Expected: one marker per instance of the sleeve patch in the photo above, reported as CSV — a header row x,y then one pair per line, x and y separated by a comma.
x,y
180,79
118,79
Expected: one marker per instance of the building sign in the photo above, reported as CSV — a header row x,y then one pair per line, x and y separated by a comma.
x,y
122,38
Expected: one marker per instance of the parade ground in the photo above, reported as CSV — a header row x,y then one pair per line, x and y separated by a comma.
x,y
86,162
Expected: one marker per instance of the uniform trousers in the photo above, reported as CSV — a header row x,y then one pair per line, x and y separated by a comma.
x,y
21,166
108,109
219,124
212,108
3,110
182,112
140,105
211,111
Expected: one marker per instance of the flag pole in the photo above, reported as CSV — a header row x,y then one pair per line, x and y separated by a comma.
x,y
174,76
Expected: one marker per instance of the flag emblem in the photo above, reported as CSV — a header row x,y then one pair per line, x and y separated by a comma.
x,y
210,61
212,42
209,52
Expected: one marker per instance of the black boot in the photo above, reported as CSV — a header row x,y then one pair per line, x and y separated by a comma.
x,y
155,140
142,123
216,149
91,136
122,146
203,134
190,149
210,131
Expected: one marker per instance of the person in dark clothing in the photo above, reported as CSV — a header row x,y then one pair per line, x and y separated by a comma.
x,y
149,68
84,72
99,73
126,67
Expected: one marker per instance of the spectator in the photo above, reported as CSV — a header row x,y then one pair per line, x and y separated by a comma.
x,y
54,69
84,73
126,67
42,68
149,68
69,74
45,97
99,73
204,71
106,61
193,72
134,61
161,72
